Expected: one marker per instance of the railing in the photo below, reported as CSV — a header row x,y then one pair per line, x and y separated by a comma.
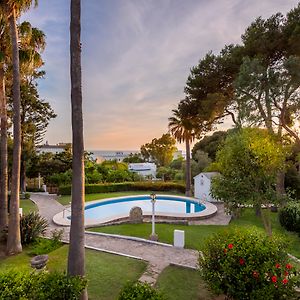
x,y
68,209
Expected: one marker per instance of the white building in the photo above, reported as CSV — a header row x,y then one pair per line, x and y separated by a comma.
x,y
102,155
202,183
144,169
58,148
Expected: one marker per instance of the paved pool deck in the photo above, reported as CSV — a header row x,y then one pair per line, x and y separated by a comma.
x,y
158,255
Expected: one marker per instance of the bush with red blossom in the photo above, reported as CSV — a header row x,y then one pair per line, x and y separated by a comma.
x,y
247,264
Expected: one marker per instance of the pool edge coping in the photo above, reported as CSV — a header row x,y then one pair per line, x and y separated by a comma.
x,y
62,220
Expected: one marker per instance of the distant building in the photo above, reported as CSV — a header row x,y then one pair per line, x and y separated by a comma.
x,y
58,148
118,156
143,169
179,153
202,184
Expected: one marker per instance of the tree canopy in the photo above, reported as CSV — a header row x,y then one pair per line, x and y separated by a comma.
x,y
248,163
159,150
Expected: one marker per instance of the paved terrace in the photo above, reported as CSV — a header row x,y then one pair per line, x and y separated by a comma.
x,y
159,256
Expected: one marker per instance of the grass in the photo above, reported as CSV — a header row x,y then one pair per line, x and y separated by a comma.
x,y
28,206
179,283
196,234
66,199
106,273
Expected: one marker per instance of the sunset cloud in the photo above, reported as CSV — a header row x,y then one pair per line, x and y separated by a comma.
x,y
136,59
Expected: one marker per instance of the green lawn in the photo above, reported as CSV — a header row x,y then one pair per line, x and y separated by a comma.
x,y
66,199
28,206
196,234
181,283
106,273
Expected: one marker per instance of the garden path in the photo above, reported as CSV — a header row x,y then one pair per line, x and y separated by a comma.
x,y
159,256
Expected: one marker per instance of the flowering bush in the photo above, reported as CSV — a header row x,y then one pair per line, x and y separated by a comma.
x,y
246,264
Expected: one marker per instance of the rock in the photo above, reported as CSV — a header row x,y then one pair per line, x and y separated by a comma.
x,y
136,215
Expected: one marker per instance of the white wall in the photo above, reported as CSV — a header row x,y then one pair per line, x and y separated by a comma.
x,y
202,187
144,169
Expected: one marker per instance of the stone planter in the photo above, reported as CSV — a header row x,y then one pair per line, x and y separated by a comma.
x,y
39,262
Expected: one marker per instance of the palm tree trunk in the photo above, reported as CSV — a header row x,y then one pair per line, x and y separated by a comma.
x,y
3,151
23,175
14,238
188,174
76,258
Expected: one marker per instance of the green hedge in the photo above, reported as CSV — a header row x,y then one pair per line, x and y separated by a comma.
x,y
140,291
289,217
16,285
126,186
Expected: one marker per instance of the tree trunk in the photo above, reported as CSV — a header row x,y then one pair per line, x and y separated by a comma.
x,y
257,209
23,175
188,174
280,190
3,151
266,218
23,170
76,257
14,238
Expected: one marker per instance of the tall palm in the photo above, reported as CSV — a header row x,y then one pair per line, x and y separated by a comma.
x,y
13,9
31,44
4,41
76,257
182,126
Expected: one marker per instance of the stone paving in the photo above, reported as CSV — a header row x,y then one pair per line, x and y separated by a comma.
x,y
220,218
158,256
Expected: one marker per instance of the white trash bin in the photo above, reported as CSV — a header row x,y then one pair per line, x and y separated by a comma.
x,y
179,238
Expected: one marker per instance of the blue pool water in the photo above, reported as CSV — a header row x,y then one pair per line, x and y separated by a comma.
x,y
103,210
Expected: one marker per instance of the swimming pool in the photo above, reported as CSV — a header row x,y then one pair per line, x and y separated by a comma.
x,y
166,206
122,206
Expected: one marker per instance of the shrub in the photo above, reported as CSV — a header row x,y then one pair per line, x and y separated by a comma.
x,y
289,217
60,178
25,196
44,246
40,286
139,291
246,264
32,225
126,186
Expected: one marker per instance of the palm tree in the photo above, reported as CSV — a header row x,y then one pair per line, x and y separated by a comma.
x,y
13,9
76,257
4,41
32,43
183,126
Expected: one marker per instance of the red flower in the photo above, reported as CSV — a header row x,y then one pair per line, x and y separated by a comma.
x,y
225,250
242,261
230,246
274,279
286,273
288,266
285,281
255,274
277,266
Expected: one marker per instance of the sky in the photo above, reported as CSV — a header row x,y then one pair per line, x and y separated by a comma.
x,y
136,57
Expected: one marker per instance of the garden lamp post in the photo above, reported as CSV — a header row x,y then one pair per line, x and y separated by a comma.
x,y
153,235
